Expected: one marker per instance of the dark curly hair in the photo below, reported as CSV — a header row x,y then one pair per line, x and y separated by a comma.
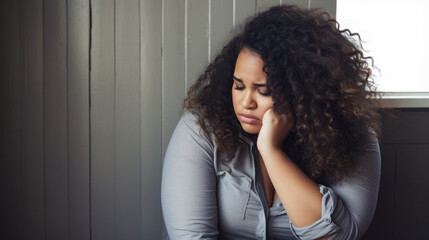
x,y
316,73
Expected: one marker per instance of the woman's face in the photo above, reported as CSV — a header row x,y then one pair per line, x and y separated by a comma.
x,y
250,95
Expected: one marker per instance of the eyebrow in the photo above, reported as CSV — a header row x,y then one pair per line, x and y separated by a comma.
x,y
255,84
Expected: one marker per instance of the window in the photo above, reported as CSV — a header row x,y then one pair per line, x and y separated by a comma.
x,y
396,34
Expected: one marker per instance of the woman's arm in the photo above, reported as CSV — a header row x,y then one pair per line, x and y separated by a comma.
x,y
343,211
188,190
299,194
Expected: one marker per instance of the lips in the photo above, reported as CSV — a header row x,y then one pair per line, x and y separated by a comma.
x,y
246,118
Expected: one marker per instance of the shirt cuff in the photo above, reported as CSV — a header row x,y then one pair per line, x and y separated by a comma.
x,y
324,226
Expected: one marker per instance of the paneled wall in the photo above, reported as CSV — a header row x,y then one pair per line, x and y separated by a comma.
x,y
90,92
45,121
402,207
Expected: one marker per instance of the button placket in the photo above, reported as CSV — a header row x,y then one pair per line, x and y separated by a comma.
x,y
260,190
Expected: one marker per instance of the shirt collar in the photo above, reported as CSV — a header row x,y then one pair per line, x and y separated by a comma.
x,y
245,136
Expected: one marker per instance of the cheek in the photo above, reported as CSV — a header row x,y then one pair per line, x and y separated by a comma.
x,y
234,99
267,104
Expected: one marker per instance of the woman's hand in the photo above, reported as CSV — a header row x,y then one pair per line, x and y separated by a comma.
x,y
275,128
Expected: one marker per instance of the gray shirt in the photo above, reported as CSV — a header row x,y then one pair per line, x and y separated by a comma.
x,y
204,197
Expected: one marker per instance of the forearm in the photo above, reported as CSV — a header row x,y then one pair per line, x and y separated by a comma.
x,y
299,194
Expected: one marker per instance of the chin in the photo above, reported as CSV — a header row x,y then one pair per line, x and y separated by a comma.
x,y
251,129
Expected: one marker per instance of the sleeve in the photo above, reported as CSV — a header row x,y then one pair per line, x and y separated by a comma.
x,y
188,187
348,206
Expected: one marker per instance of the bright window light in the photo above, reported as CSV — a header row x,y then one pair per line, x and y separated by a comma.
x,y
396,35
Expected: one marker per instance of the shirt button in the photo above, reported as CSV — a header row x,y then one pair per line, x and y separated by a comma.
x,y
327,220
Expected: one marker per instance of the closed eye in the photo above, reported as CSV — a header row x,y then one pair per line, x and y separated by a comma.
x,y
264,93
238,85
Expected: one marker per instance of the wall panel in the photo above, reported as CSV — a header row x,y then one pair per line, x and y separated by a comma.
x,y
329,5
10,115
262,5
221,25
408,127
78,118
197,39
300,3
32,123
150,113
243,10
55,118
412,193
103,122
173,66
127,106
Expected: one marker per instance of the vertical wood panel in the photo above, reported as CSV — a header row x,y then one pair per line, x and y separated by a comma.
x,y
173,68
329,5
262,5
78,118
407,127
221,25
55,116
127,59
103,134
243,10
382,226
197,39
173,82
412,193
32,156
151,145
10,105
300,3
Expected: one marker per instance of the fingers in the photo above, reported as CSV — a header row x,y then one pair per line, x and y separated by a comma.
x,y
270,116
275,129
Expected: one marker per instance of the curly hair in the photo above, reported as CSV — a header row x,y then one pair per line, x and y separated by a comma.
x,y
316,73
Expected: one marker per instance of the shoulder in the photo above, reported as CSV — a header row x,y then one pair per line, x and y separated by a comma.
x,y
189,147
189,129
367,171
371,157
190,120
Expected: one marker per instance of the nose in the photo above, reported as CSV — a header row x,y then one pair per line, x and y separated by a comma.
x,y
248,101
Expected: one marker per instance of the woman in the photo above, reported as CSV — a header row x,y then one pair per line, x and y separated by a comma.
x,y
278,140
